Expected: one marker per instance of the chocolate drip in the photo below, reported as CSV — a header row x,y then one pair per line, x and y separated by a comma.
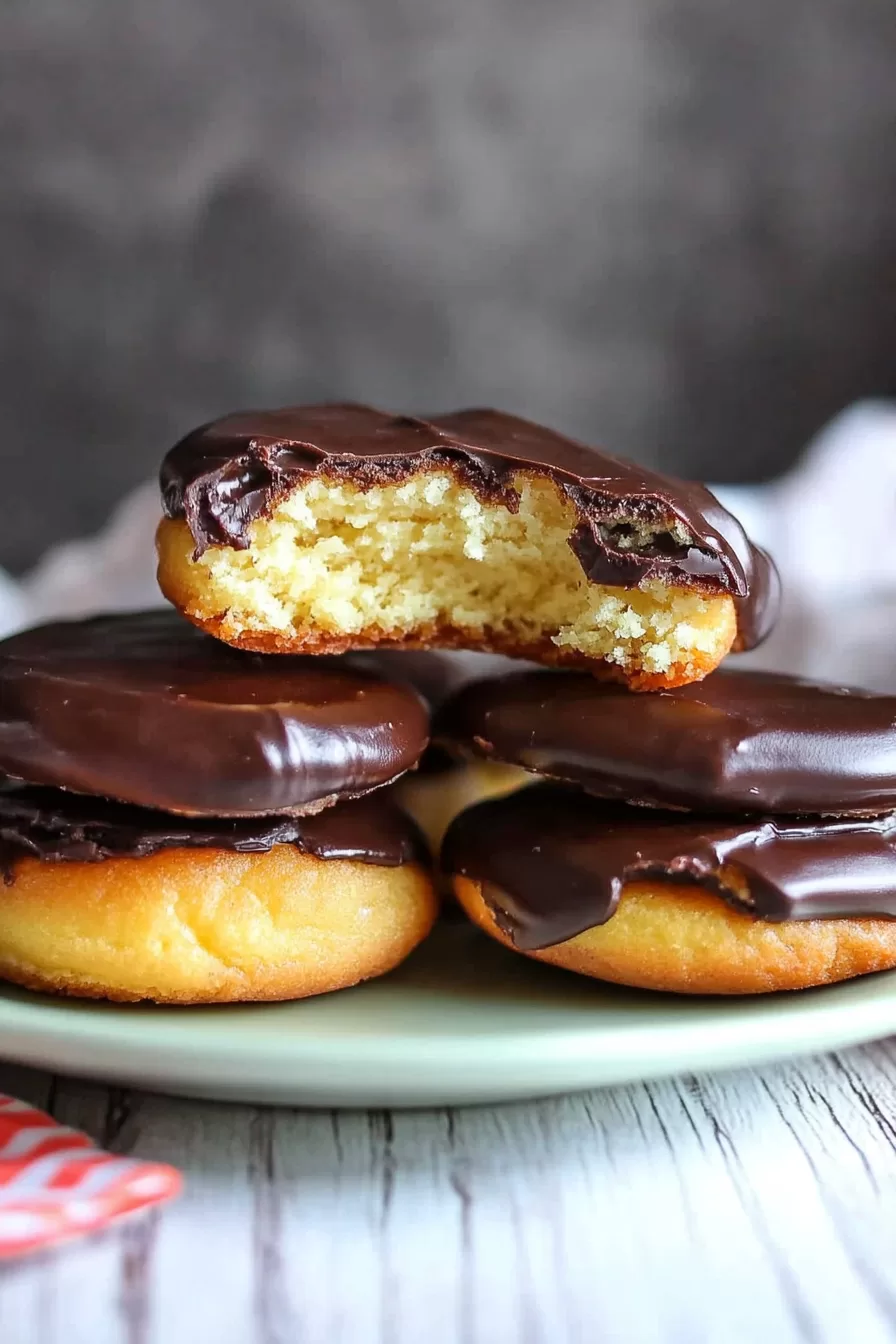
x,y
553,862
59,827
228,473
147,709
736,742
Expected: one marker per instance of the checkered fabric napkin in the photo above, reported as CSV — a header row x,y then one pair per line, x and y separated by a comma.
x,y
56,1184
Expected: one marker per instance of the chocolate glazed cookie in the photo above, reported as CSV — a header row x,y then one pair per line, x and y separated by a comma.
x,y
146,709
737,742
664,901
323,528
105,900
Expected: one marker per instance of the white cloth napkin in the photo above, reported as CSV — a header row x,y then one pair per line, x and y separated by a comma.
x,y
830,524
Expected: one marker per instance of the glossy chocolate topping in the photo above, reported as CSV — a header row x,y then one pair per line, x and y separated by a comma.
x,y
229,472
435,674
553,861
60,827
736,742
146,709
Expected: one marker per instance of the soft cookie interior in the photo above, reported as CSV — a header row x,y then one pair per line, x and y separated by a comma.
x,y
426,562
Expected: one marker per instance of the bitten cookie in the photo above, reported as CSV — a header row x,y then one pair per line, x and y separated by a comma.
x,y
147,709
326,528
660,901
108,901
738,742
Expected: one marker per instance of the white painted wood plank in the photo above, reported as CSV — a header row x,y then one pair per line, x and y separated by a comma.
x,y
203,1271
78,1294
745,1206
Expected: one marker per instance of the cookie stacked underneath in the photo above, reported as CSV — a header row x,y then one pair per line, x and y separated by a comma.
x,y
190,824
731,837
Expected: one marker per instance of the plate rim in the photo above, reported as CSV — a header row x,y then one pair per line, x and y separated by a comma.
x,y
39,1032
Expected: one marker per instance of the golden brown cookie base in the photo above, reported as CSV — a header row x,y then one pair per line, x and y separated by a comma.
x,y
686,941
192,926
447,637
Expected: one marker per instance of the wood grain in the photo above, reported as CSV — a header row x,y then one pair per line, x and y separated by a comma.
x,y
750,1206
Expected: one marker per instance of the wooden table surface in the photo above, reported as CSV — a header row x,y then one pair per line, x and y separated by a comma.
x,y
754,1206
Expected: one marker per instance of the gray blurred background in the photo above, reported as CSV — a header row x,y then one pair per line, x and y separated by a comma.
x,y
667,225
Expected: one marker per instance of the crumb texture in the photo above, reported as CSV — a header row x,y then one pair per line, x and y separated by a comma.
x,y
428,561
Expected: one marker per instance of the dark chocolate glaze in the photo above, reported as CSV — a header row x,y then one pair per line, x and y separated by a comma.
x,y
231,471
147,709
435,674
739,741
59,827
553,861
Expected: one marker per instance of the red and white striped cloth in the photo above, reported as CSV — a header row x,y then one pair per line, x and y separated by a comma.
x,y
56,1184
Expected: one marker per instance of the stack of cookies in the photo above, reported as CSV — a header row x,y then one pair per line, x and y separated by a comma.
x,y
186,823
729,837
202,805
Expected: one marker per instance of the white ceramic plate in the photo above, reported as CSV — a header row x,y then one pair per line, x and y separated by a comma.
x,y
463,1021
